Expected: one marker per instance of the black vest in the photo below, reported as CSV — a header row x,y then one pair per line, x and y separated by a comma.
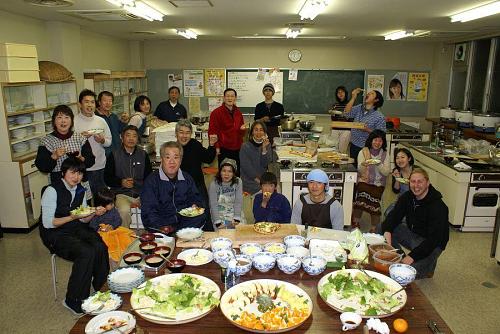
x,y
316,214
64,204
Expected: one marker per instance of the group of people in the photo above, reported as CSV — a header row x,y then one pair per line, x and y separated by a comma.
x,y
93,156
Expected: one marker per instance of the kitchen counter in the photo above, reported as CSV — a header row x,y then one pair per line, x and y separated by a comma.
x,y
431,152
468,132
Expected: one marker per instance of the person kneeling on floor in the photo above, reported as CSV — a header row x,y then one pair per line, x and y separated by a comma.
x,y
425,232
69,236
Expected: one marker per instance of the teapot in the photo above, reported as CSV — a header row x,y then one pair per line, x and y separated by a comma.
x,y
494,154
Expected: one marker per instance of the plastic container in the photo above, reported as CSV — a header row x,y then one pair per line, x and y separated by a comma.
x,y
383,259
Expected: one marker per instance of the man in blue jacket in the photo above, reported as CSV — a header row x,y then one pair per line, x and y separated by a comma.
x,y
168,191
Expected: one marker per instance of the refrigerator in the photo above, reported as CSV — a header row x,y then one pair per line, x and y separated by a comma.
x,y
495,244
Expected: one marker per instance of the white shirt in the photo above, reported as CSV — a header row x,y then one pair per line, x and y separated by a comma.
x,y
172,103
84,123
136,119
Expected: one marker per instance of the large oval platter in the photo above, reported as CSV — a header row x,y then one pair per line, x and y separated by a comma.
x,y
291,306
166,308
378,305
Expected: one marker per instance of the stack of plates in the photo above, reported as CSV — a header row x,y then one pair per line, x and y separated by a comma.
x,y
21,147
24,119
19,133
123,280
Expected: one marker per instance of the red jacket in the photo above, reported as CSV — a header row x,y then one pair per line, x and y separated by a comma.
x,y
227,127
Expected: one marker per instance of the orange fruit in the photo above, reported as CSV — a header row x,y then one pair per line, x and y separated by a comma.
x,y
400,325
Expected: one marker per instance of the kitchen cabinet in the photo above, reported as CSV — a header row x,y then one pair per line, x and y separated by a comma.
x,y
26,110
125,86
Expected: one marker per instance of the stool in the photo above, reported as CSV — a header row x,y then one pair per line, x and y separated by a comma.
x,y
53,257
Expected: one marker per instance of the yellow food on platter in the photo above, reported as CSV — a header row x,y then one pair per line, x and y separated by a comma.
x,y
266,227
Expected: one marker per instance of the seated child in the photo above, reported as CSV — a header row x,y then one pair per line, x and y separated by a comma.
x,y
106,217
226,196
269,205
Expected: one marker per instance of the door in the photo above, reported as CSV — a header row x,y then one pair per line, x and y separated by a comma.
x,y
36,182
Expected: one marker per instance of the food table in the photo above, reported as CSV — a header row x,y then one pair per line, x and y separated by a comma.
x,y
324,319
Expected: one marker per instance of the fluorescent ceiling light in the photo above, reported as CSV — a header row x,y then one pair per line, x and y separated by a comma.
x,y
139,8
292,32
312,8
477,13
398,35
186,33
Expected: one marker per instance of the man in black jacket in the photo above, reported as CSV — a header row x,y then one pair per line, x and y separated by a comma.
x,y
425,232
126,169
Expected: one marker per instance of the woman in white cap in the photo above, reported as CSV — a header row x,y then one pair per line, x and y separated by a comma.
x,y
269,111
318,208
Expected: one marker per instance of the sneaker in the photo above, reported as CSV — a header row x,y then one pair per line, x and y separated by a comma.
x,y
74,306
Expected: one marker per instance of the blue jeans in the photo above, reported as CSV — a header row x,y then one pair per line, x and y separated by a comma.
x,y
402,236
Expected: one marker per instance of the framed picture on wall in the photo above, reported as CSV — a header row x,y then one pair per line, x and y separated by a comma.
x,y
460,51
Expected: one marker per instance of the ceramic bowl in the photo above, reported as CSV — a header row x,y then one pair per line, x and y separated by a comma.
x,y
163,250
147,237
314,265
289,264
275,248
223,256
298,251
147,247
176,266
220,243
154,260
132,258
264,261
250,249
294,241
402,273
243,264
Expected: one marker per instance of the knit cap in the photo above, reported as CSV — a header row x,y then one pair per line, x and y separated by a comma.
x,y
230,162
268,86
319,176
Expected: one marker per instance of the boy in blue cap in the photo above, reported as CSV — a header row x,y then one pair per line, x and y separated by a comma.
x,y
318,208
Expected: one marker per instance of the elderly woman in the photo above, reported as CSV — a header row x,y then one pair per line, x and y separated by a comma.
x,y
62,143
194,156
255,157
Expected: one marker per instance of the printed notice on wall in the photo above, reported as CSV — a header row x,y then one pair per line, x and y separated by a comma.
x,y
215,81
193,83
175,80
194,105
214,102
418,84
292,75
375,82
250,89
397,87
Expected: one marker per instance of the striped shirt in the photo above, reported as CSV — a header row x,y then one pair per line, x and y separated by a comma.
x,y
372,118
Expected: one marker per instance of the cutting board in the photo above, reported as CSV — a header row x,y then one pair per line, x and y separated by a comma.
x,y
246,233
323,156
348,125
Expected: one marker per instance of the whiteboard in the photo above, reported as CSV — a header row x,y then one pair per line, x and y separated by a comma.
x,y
249,89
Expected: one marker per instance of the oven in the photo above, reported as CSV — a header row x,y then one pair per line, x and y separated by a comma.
x,y
335,185
394,138
483,200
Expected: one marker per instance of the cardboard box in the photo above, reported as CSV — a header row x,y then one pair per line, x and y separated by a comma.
x,y
19,76
18,64
18,50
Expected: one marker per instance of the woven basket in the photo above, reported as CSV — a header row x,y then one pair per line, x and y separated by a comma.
x,y
53,72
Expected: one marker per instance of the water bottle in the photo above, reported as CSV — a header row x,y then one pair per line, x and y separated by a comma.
x,y
231,278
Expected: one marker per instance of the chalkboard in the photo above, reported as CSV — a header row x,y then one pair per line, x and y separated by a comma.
x,y
249,88
312,93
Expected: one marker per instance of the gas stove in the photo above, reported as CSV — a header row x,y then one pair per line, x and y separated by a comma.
x,y
303,165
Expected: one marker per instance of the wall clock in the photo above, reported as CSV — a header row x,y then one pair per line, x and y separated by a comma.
x,y
294,55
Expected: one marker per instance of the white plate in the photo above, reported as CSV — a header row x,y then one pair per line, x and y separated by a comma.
x,y
196,256
102,319
113,303
125,275
325,149
192,212
236,293
373,161
339,304
328,249
189,233
373,238
164,281
402,180
95,131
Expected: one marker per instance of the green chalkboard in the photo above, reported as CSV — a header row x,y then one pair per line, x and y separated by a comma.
x,y
314,90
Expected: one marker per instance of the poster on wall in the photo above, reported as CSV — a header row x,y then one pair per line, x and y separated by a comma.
x,y
215,81
175,80
276,79
418,84
214,102
194,105
375,82
397,87
193,83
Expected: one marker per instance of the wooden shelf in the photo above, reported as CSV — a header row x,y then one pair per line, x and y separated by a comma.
x,y
468,132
